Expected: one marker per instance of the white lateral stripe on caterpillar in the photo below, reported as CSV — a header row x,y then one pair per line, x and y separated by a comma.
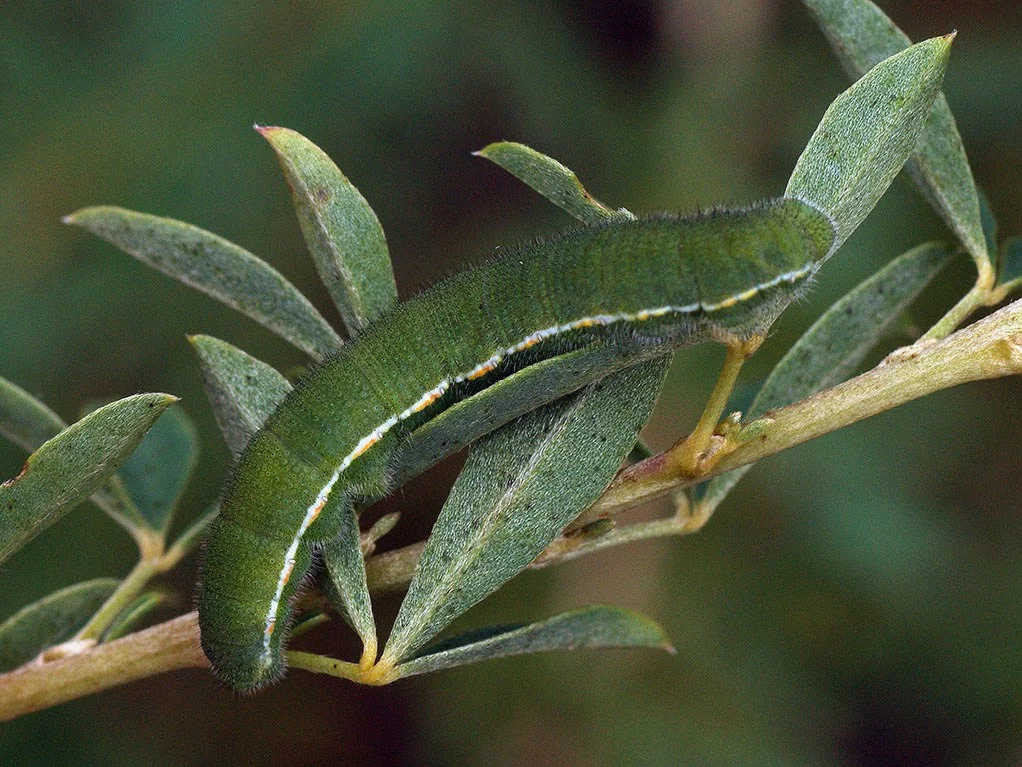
x,y
478,371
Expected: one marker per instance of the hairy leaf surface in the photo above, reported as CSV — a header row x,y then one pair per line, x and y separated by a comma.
x,y
72,466
214,266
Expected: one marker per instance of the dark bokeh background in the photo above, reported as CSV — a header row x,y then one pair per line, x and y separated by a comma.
x,y
856,601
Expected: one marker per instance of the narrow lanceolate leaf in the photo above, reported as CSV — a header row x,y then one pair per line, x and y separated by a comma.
x,y
343,234
560,185
70,467
867,134
346,585
29,423
862,36
834,347
1010,276
520,487
552,180
214,266
506,400
24,420
132,615
158,471
242,390
590,628
51,620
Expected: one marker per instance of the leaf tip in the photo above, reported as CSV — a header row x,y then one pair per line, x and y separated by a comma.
x,y
270,132
78,217
496,147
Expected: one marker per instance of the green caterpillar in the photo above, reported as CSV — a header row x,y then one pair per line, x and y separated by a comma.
x,y
580,305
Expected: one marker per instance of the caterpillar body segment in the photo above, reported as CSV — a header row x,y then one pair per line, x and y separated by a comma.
x,y
485,346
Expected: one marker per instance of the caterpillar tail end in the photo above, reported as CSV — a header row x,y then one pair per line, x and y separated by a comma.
x,y
242,645
244,669
241,659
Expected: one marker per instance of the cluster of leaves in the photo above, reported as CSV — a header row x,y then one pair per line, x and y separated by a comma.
x,y
131,458
524,484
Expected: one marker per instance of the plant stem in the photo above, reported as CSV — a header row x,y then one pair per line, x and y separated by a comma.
x,y
321,664
392,570
690,455
970,302
685,457
984,293
566,549
166,647
990,348
123,595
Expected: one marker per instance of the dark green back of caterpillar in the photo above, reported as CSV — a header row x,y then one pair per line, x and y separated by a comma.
x,y
599,298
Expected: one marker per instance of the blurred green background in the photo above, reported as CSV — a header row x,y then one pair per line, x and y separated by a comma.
x,y
856,601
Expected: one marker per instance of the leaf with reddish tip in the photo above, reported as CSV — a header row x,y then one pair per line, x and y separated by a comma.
x,y
217,267
28,423
74,464
343,234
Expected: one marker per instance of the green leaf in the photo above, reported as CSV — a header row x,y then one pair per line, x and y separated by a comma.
x,y
70,467
158,471
130,617
552,180
242,390
506,400
1010,277
29,423
590,628
520,487
343,234
867,134
346,586
214,266
51,620
833,348
24,420
862,36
